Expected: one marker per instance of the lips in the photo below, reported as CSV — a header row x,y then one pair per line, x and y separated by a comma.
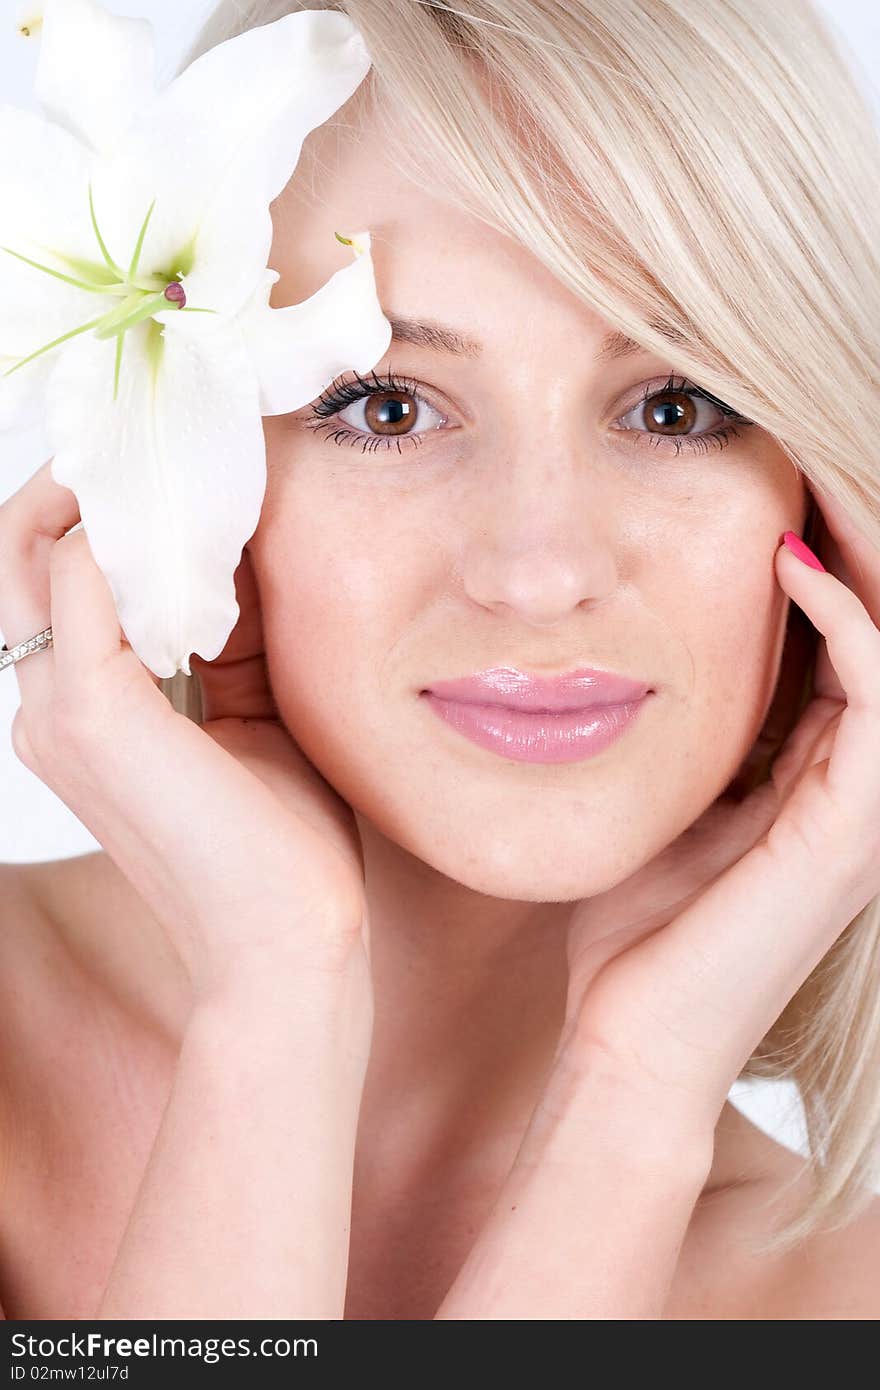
x,y
582,689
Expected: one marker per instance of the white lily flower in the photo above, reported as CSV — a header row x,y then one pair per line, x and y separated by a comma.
x,y
135,322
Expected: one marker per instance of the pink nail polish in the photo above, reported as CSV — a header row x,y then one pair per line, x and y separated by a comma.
x,y
802,551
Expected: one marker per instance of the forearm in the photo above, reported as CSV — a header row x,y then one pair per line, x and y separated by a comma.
x,y
244,1209
591,1218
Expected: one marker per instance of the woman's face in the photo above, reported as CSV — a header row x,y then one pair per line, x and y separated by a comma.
x,y
534,525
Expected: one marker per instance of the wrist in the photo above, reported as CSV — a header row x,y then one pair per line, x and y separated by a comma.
x,y
299,1006
591,1218
589,1104
278,969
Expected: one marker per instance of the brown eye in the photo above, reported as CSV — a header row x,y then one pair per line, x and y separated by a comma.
x,y
671,412
684,415
389,412
376,413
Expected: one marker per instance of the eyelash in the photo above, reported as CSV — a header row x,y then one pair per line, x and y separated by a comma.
x,y
343,393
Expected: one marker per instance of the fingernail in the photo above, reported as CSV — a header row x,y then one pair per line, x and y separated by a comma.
x,y
802,551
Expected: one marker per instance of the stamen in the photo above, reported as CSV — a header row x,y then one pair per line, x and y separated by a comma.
x,y
55,342
117,364
350,241
80,284
132,269
109,261
31,21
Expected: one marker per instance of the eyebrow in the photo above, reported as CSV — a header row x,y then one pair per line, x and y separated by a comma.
x,y
438,338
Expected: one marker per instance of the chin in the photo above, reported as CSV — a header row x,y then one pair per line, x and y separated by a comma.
x,y
531,869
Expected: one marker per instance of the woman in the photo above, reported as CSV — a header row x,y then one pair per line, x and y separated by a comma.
x,y
376,1006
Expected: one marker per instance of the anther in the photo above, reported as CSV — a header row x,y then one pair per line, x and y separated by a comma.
x,y
176,293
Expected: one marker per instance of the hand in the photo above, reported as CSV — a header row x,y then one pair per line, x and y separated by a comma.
x,y
242,850
730,920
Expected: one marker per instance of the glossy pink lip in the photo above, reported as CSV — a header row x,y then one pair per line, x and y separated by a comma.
x,y
537,719
573,690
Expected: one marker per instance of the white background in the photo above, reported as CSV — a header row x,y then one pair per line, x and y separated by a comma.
x,y
34,823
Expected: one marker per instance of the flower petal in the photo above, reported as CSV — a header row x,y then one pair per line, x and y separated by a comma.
x,y
298,349
22,394
232,249
241,109
44,173
170,480
37,310
95,70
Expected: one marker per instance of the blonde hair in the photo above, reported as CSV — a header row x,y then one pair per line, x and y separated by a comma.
x,y
702,173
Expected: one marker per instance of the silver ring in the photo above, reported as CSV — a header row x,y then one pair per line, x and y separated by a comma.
x,y
9,655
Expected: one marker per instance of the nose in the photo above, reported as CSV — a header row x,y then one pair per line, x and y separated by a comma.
x,y
539,539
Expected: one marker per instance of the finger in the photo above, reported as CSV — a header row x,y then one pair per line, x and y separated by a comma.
x,y
31,522
852,641
236,683
809,742
822,542
789,699
87,633
853,556
733,959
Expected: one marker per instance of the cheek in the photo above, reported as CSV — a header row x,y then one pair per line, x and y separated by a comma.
x,y
339,595
732,641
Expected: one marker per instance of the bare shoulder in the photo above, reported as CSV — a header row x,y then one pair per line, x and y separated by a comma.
x,y
830,1275
835,1275
87,1053
84,913
25,933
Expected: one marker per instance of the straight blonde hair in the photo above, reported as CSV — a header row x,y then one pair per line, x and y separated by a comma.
x,y
704,174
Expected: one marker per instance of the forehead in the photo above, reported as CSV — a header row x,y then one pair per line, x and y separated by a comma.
x,y
431,258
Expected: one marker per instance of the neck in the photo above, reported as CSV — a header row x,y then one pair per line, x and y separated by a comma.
x,y
470,995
